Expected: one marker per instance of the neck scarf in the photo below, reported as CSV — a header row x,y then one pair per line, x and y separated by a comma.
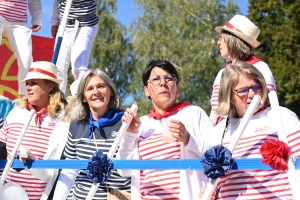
x,y
170,111
110,117
38,115
251,61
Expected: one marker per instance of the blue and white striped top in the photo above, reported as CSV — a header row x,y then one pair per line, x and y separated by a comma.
x,y
79,146
83,10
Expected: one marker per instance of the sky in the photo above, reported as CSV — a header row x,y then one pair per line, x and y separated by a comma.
x,y
127,11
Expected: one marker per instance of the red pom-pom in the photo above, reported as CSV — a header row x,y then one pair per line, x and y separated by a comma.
x,y
276,154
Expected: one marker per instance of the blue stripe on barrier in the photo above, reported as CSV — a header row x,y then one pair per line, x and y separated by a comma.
x,y
183,164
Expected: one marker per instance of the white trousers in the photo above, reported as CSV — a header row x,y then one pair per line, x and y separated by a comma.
x,y
78,53
19,37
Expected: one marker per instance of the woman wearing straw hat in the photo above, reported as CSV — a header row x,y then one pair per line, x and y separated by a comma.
x,y
239,84
236,41
45,98
57,144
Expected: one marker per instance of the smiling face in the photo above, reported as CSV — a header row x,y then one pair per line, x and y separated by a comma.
x,y
242,102
97,94
37,92
164,94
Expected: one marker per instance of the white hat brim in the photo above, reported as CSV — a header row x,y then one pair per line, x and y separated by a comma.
x,y
36,75
254,43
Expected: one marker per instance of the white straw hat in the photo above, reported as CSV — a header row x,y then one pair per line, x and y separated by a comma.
x,y
74,87
42,70
243,28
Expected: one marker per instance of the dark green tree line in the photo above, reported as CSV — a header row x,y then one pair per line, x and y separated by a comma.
x,y
279,21
181,32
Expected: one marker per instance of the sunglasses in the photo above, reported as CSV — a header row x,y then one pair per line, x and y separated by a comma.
x,y
245,90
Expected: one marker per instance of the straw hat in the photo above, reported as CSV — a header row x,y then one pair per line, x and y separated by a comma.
x,y
243,28
74,87
42,70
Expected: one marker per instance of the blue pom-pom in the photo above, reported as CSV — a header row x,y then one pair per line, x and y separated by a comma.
x,y
99,167
216,161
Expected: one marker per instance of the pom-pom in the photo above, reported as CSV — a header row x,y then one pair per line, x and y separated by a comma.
x,y
216,161
275,153
99,167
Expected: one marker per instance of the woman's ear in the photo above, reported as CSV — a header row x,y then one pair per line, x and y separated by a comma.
x,y
178,88
50,86
146,91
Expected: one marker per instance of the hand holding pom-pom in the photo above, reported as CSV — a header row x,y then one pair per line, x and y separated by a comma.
x,y
216,161
275,153
99,167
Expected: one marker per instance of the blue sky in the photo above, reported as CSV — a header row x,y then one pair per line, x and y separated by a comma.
x,y
126,13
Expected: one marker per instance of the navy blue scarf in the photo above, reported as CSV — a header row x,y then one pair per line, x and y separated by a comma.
x,y
110,117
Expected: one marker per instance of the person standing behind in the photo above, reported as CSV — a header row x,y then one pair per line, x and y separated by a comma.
x,y
97,121
76,45
13,22
236,41
45,98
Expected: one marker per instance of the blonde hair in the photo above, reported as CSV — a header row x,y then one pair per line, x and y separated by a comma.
x,y
56,103
81,109
237,48
230,78
69,108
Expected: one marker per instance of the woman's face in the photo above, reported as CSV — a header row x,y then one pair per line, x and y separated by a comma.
x,y
222,46
37,91
97,94
241,97
162,93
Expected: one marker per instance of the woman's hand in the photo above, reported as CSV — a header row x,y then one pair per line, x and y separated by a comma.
x,y
25,154
135,122
178,131
212,197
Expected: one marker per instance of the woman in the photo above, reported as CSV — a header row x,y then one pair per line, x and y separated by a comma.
x,y
239,83
97,117
79,36
56,146
189,128
48,102
236,41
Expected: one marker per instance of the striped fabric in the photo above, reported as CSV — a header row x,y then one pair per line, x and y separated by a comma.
x,y
80,147
36,138
14,10
80,8
263,184
1,122
159,184
261,66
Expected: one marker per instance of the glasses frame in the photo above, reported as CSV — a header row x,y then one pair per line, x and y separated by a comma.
x,y
164,76
248,88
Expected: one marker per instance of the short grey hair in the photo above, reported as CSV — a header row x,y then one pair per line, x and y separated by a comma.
x,y
81,109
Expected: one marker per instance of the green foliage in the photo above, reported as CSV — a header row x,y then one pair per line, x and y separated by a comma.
x,y
182,32
112,51
279,22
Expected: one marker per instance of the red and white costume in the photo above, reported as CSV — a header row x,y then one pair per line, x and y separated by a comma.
x,y
257,184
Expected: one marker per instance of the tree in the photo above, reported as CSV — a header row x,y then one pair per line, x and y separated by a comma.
x,y
112,50
182,32
279,22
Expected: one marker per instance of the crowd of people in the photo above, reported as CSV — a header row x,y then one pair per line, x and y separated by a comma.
x,y
75,127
